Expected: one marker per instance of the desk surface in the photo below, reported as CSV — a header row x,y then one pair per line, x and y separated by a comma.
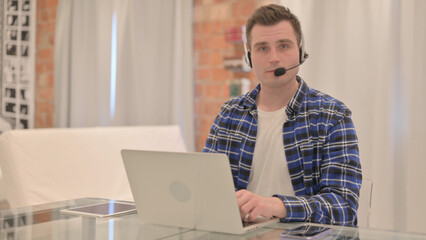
x,y
46,222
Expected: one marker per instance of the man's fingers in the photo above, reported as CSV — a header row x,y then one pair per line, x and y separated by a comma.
x,y
254,205
253,208
253,215
240,192
248,205
242,197
243,200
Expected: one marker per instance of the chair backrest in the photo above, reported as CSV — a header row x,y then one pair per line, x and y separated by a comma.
x,y
364,207
48,165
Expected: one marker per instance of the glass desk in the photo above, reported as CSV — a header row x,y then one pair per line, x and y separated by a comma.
x,y
47,222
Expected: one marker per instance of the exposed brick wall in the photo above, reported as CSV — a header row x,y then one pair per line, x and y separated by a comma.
x,y
44,86
212,18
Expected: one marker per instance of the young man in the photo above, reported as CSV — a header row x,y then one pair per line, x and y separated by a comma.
x,y
293,150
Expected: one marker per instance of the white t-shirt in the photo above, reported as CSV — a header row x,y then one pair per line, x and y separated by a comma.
x,y
269,172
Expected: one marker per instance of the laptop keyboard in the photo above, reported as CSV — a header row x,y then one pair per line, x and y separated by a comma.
x,y
247,223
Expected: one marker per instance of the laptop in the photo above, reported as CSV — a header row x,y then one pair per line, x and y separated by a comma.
x,y
189,190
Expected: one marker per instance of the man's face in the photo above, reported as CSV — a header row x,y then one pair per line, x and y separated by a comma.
x,y
274,47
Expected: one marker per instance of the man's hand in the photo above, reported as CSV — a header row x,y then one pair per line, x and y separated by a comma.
x,y
255,205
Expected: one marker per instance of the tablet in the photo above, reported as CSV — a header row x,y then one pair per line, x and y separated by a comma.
x,y
306,232
102,210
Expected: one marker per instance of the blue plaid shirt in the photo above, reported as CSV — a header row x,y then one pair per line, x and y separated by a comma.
x,y
321,149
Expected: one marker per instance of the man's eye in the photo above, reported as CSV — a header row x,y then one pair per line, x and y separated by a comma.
x,y
284,46
262,49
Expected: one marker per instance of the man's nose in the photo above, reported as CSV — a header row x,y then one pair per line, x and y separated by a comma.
x,y
273,56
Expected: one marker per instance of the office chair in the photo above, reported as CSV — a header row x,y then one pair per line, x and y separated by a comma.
x,y
364,207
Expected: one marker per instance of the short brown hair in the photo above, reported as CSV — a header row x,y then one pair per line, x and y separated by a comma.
x,y
270,15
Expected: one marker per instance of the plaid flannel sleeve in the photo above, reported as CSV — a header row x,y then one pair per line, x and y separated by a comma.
x,y
211,141
339,184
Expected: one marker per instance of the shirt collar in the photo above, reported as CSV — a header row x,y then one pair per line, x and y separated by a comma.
x,y
293,106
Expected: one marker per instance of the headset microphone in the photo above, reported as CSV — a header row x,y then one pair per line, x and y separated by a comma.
x,y
281,71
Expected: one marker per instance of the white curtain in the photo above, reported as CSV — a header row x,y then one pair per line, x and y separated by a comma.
x,y
372,56
154,82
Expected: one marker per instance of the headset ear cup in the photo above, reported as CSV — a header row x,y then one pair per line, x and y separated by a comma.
x,y
302,55
249,59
